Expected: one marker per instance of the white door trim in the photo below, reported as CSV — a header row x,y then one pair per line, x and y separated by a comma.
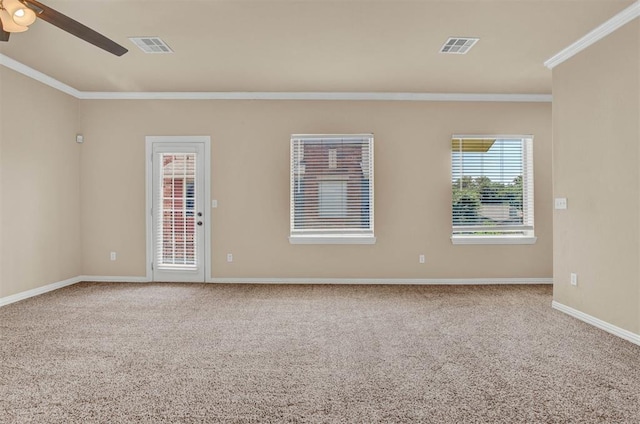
x,y
149,141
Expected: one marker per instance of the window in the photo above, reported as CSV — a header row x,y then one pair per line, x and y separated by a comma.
x,y
332,199
190,196
176,224
492,189
332,189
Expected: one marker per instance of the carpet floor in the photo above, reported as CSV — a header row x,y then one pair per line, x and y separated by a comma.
x,y
209,353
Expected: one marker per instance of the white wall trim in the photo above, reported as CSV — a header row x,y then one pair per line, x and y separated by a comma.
x,y
352,96
113,279
398,281
38,76
261,95
38,291
595,35
603,325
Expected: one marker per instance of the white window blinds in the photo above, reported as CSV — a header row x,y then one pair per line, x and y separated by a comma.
x,y
331,188
176,221
492,185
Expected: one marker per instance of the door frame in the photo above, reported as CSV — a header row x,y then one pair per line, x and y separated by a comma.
x,y
150,140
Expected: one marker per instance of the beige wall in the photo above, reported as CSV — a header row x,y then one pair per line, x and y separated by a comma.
x,y
250,180
39,185
596,160
58,197
65,206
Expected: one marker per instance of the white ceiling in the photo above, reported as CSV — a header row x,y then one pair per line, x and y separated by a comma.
x,y
312,45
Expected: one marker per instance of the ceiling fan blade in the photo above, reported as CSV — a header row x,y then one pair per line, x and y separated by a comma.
x,y
73,27
4,35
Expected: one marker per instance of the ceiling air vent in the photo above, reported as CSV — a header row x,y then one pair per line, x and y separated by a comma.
x,y
458,45
151,44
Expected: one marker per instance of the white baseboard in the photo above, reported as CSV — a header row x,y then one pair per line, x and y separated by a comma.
x,y
399,281
113,279
38,291
60,284
407,281
603,325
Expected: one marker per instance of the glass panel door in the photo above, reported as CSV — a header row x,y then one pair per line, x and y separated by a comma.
x,y
177,212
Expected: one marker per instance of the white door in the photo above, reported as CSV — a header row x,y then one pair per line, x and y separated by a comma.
x,y
178,218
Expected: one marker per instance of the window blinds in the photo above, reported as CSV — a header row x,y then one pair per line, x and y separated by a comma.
x,y
331,185
492,185
176,221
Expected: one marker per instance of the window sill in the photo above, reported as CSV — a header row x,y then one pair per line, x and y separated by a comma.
x,y
493,240
333,239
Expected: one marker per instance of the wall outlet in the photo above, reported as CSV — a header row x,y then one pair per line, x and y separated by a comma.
x,y
112,256
574,279
421,259
229,257
561,203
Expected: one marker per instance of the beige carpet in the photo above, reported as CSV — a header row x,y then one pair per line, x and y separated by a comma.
x,y
198,353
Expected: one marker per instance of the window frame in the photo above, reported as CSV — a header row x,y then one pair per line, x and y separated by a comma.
x,y
330,234
506,235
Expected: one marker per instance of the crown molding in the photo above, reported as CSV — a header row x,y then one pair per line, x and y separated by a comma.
x,y
25,70
622,18
242,95
348,96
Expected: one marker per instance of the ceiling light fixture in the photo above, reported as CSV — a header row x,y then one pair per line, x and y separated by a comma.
x,y
15,16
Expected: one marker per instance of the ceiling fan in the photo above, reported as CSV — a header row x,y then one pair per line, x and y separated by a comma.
x,y
17,15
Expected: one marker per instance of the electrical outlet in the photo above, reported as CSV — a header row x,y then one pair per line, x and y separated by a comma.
x,y
561,203
113,256
421,259
574,279
229,257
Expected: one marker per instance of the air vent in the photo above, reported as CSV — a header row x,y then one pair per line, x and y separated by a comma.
x,y
151,44
458,45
